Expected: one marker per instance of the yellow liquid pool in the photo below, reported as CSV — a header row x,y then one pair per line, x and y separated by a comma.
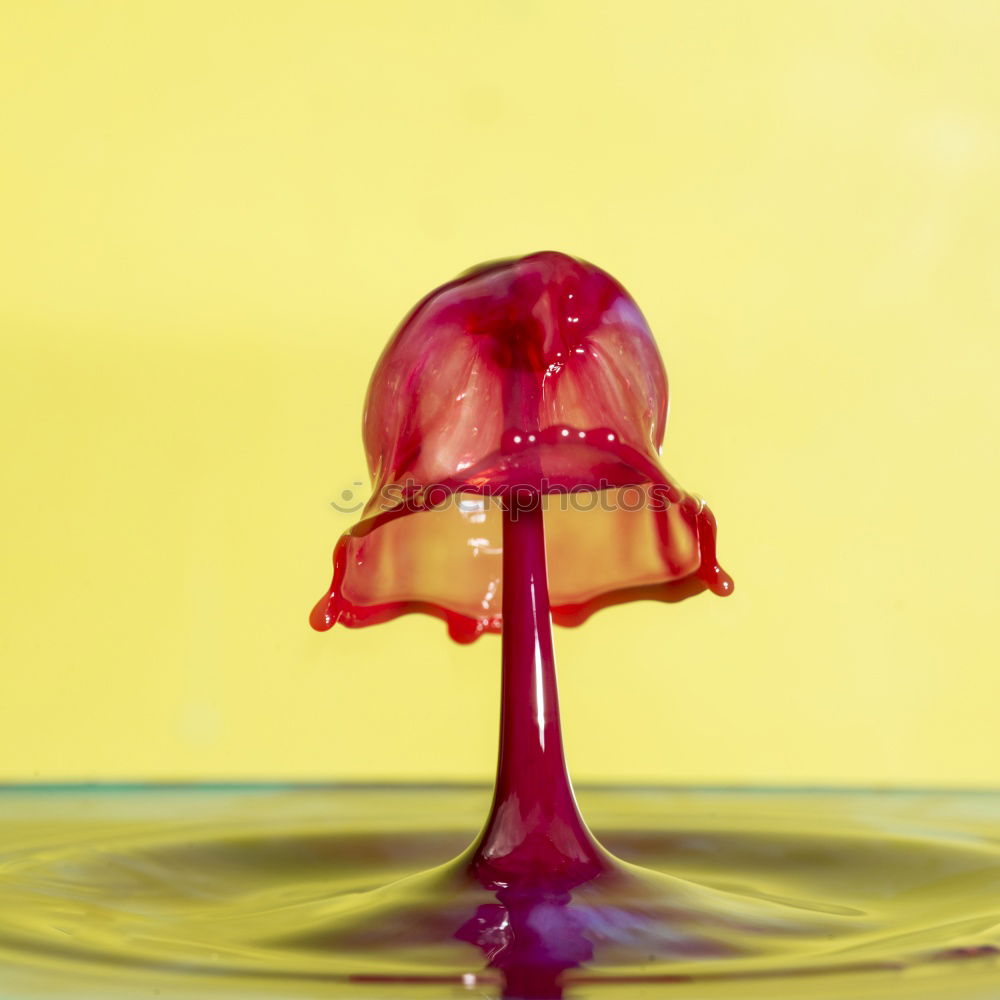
x,y
225,890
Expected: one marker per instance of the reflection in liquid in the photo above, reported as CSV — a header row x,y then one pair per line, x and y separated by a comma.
x,y
532,938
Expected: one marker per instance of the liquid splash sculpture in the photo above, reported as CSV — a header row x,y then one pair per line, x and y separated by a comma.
x,y
526,378
522,385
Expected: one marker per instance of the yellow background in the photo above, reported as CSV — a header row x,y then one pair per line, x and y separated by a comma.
x,y
214,214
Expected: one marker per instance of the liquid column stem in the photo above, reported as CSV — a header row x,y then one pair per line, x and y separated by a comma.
x,y
534,833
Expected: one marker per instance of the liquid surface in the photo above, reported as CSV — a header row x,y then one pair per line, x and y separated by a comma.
x,y
248,891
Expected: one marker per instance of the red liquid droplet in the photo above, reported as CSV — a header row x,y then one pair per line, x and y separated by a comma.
x,y
538,374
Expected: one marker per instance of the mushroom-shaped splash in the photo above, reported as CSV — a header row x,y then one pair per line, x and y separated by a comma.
x,y
536,377
513,428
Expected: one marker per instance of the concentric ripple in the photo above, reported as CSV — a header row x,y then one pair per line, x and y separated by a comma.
x,y
352,891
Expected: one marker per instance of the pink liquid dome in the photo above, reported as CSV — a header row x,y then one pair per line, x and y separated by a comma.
x,y
539,377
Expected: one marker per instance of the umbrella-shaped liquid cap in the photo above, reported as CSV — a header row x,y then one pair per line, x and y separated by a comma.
x,y
536,377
